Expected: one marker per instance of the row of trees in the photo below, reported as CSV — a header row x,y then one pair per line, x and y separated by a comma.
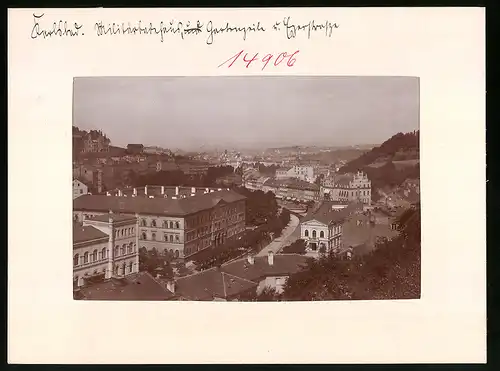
x,y
252,240
155,262
297,247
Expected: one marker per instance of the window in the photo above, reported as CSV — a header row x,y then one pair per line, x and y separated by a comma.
x,y
143,222
165,237
153,223
75,259
116,250
322,234
306,233
314,234
85,258
133,248
143,236
129,248
176,253
117,269
171,225
177,225
153,236
103,253
94,255
171,238
123,249
81,191
177,238
131,267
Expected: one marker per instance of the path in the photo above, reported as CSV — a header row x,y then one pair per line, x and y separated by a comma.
x,y
289,235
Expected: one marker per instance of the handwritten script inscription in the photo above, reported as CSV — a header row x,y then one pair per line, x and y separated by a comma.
x,y
209,30
276,59
59,28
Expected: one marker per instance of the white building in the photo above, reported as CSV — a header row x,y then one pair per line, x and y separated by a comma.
x,y
347,187
305,173
79,188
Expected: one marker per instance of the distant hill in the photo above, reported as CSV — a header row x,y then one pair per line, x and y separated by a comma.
x,y
333,156
399,148
389,164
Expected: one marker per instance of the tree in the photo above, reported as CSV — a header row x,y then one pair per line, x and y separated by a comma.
x,y
297,247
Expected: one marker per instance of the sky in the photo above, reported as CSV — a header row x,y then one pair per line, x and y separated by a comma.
x,y
196,113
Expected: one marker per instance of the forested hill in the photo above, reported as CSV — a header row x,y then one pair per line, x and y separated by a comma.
x,y
400,147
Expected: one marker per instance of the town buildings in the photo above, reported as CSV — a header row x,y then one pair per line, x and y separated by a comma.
x,y
92,176
180,225
104,246
347,187
135,149
304,173
79,188
285,188
95,141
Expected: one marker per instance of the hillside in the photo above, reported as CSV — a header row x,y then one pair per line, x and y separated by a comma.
x,y
333,156
389,164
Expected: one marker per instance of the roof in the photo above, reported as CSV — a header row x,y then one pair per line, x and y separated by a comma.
x,y
138,286
116,217
283,265
86,233
343,179
155,206
212,283
291,183
325,214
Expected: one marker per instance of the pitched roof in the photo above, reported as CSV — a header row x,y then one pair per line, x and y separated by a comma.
x,y
139,286
116,217
325,214
155,206
210,284
283,265
86,233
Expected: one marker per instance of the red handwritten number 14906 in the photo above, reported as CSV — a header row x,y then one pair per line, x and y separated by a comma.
x,y
265,60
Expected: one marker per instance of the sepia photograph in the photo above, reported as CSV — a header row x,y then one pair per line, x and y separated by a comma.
x,y
246,189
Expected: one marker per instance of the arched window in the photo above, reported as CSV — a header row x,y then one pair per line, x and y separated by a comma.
x,y
165,224
103,253
322,234
314,234
306,233
94,255
116,250
165,252
129,248
176,253
171,225
85,258
75,217
143,236
117,268
177,225
153,236
176,238
131,267
143,222
124,268
165,237
153,223
123,250
75,260
171,252
171,238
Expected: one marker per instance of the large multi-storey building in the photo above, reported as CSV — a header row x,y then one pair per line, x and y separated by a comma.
x,y
305,173
347,187
95,141
178,224
104,246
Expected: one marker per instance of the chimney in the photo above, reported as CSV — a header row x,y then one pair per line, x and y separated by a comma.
x,y
162,190
174,198
219,189
193,194
171,286
146,190
108,194
211,191
207,190
120,193
193,190
270,257
135,191
177,191
251,259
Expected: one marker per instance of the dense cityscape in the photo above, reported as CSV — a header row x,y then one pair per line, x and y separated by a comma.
x,y
286,223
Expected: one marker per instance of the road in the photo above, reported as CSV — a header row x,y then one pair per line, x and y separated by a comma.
x,y
289,235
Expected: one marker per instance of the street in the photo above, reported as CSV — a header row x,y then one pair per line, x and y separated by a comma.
x,y
289,235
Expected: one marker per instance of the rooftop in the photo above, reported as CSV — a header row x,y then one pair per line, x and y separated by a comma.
x,y
116,217
210,284
283,265
155,206
139,286
86,233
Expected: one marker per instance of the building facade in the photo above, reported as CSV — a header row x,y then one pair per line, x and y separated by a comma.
x,y
347,188
95,141
175,225
305,173
79,188
105,246
322,233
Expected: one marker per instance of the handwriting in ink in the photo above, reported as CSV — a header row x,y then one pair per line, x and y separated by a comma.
x,y
174,27
60,28
212,31
277,60
292,29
